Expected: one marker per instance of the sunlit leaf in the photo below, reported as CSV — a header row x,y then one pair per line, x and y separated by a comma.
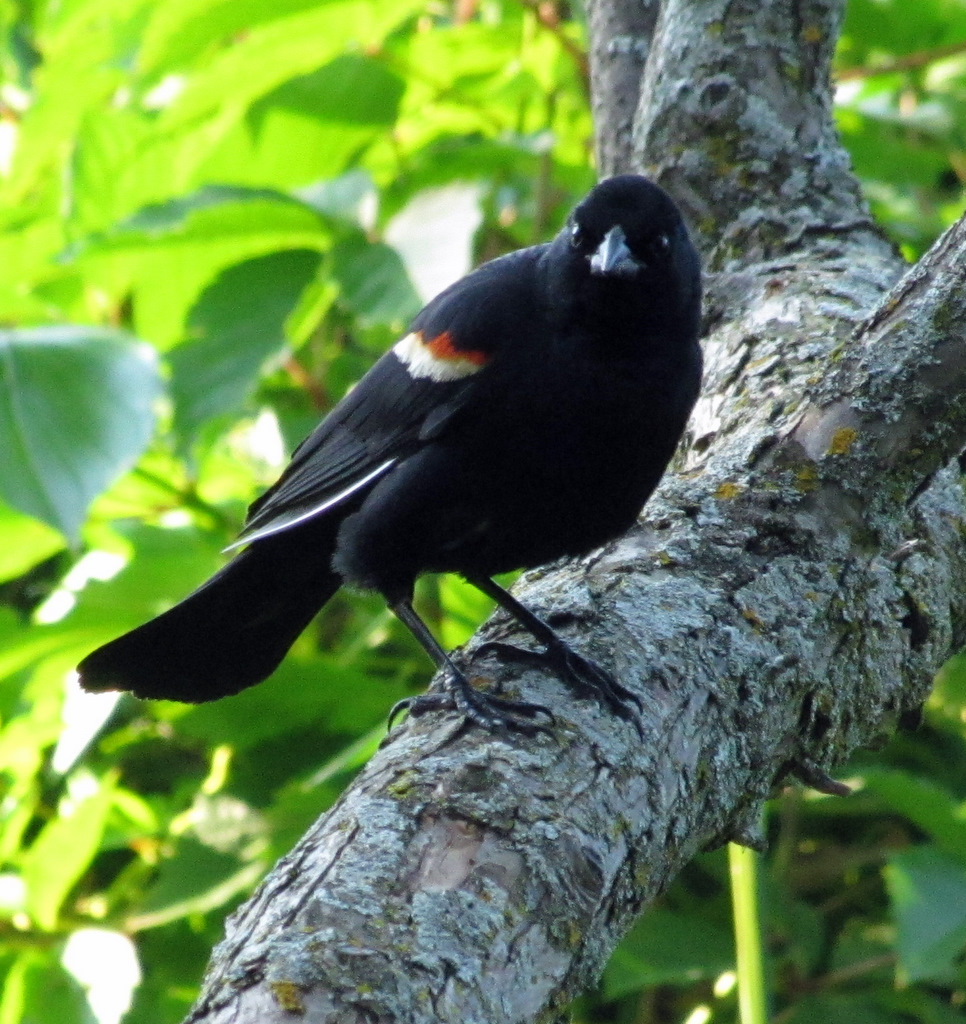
x,y
61,853
185,242
180,30
76,410
237,323
282,49
37,988
26,541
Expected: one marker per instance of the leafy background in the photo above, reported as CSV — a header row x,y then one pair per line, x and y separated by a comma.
x,y
215,214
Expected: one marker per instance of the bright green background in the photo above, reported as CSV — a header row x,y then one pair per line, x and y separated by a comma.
x,y
215,214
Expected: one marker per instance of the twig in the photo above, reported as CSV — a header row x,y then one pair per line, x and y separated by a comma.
x,y
907,62
549,17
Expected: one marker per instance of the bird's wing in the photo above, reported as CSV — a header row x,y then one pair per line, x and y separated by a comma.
x,y
408,396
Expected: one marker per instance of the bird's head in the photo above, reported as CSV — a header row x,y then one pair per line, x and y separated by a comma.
x,y
628,227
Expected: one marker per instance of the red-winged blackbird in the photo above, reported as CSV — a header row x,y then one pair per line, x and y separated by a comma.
x,y
527,416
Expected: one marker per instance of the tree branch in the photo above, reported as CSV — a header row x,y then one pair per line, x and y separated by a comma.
x,y
620,40
786,598
736,122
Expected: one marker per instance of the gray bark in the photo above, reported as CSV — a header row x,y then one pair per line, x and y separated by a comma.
x,y
786,597
620,39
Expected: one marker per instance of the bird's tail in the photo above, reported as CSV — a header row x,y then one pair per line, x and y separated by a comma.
x,y
232,632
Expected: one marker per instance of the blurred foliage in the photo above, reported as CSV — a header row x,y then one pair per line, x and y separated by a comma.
x,y
214,214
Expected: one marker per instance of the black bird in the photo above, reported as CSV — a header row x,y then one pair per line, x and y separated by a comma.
x,y
527,416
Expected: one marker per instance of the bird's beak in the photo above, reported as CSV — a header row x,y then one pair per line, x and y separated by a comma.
x,y
613,255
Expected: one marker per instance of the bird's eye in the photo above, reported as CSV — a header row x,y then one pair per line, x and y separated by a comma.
x,y
662,244
577,237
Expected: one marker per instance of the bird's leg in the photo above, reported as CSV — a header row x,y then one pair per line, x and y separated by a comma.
x,y
476,707
585,676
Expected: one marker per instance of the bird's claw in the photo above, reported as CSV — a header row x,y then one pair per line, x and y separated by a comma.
x,y
477,707
585,677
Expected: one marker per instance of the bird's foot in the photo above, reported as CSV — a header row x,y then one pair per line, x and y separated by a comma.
x,y
495,714
585,677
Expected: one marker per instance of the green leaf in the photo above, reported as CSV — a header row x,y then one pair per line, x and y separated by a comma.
x,y
374,283
840,1009
307,689
948,698
170,251
288,146
81,70
196,880
919,1005
351,89
926,804
76,411
108,181
874,29
275,52
928,894
345,197
665,947
311,128
26,543
61,854
29,704
170,957
236,324
37,989
464,608
180,30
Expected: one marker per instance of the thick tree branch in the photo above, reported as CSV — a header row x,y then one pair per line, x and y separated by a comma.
x,y
620,40
736,121
786,598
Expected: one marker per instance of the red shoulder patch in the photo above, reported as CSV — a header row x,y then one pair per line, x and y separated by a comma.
x,y
438,358
442,347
